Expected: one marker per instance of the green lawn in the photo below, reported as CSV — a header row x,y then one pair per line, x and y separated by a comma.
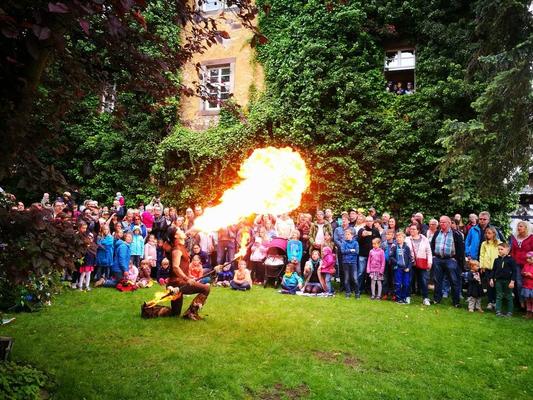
x,y
261,344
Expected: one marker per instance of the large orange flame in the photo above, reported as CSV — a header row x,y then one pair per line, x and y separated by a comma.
x,y
273,180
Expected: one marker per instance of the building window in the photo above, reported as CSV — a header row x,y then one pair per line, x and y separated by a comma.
x,y
213,5
399,71
218,84
108,98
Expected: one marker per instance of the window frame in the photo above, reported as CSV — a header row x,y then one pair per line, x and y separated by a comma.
x,y
206,66
223,7
398,52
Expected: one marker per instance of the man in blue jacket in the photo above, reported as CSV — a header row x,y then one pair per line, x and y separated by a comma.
x,y
476,235
121,262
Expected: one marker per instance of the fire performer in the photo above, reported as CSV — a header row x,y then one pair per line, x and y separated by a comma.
x,y
179,283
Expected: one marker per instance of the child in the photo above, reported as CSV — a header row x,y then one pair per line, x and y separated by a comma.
x,y
163,272
375,267
291,281
295,248
257,256
401,261
503,277
132,274
312,279
104,253
204,257
388,280
150,251
327,268
487,255
328,241
349,251
144,280
129,282
137,246
475,289
89,260
225,276
196,270
160,252
527,285
243,279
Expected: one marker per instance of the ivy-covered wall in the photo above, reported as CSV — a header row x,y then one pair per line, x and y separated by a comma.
x,y
325,97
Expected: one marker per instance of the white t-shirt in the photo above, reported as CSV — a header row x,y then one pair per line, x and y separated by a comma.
x,y
319,239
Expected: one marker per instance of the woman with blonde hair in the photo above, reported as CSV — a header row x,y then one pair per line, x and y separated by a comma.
x,y
521,244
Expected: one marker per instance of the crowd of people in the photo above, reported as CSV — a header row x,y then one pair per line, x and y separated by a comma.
x,y
400,88
355,253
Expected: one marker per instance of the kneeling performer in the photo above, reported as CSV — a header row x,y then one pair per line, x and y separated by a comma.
x,y
180,283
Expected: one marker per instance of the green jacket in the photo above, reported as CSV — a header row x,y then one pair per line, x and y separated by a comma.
x,y
314,230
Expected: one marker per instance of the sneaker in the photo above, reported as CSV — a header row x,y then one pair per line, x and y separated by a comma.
x,y
435,302
407,300
373,298
402,302
385,297
470,310
357,296
426,302
378,298
74,285
509,314
490,306
457,305
499,314
88,288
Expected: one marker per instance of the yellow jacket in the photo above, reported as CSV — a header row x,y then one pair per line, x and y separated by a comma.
x,y
488,253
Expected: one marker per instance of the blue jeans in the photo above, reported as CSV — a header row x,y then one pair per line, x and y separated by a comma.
x,y
239,286
113,280
422,277
446,267
328,278
361,268
402,283
350,278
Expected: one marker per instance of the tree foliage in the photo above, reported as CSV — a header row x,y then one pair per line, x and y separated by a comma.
x,y
54,54
325,97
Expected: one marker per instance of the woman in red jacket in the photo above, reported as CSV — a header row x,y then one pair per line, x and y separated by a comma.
x,y
521,244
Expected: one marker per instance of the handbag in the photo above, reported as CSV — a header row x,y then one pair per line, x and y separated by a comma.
x,y
420,263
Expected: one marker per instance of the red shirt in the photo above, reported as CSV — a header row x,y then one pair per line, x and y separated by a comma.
x,y
518,252
527,281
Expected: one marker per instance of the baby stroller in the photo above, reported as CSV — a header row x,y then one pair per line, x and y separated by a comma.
x,y
275,261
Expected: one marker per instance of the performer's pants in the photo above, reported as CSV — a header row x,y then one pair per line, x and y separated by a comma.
x,y
198,301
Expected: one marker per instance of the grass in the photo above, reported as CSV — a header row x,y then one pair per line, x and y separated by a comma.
x,y
261,344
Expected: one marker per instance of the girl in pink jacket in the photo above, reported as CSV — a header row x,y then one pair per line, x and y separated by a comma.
x,y
375,267
327,268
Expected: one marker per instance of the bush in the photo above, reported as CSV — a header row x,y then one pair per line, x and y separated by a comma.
x,y
35,249
18,381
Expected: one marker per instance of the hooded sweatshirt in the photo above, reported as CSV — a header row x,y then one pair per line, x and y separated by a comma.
x,y
121,259
328,261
